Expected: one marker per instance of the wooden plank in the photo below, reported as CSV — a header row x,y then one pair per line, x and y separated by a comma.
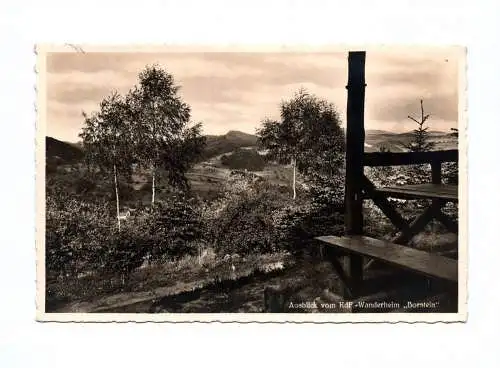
x,y
445,192
421,262
408,158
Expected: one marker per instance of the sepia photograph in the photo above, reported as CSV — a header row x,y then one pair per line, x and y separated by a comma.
x,y
251,184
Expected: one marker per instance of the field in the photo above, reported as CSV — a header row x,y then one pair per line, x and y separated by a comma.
x,y
241,197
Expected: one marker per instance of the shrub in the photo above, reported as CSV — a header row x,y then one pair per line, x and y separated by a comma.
x,y
74,233
243,223
82,237
264,219
175,226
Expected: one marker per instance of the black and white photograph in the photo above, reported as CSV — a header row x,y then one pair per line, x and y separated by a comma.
x,y
251,184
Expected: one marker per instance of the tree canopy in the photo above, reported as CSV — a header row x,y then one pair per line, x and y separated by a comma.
x,y
308,135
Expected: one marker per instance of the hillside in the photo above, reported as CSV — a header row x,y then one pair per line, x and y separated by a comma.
x,y
395,142
60,152
232,140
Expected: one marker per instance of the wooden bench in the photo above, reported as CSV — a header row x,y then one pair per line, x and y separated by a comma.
x,y
444,192
417,261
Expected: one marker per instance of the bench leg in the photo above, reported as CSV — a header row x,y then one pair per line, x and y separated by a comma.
x,y
354,269
350,272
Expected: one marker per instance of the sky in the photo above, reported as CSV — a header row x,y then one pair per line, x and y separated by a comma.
x,y
237,90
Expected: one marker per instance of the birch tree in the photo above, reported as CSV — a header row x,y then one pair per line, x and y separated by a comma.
x,y
106,141
161,119
308,137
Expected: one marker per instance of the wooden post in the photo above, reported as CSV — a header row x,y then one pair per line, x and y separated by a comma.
x,y
436,179
436,172
355,140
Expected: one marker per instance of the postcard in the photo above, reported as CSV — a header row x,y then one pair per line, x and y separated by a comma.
x,y
251,184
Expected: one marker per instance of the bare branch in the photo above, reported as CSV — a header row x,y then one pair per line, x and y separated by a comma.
x,y
415,120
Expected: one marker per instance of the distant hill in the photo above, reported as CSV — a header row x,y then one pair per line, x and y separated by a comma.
x,y
232,140
395,142
62,152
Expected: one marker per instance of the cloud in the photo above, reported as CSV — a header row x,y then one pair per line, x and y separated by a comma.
x,y
236,90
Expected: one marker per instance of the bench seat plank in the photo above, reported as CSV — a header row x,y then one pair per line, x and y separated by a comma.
x,y
422,191
422,262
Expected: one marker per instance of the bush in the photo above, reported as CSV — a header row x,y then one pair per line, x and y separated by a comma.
x,y
83,237
175,226
74,234
262,218
243,223
298,223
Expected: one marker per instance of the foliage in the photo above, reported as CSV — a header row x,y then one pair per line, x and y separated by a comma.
x,y
80,237
178,156
309,126
75,234
162,136
248,159
296,224
106,135
243,222
176,227
308,135
258,217
107,141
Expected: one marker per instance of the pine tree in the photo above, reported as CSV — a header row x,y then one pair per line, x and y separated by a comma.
x,y
420,140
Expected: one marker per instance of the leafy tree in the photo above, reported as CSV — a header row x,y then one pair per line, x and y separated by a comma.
x,y
420,140
308,136
106,138
162,136
179,155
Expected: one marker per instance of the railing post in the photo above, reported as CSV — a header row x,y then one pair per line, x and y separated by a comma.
x,y
355,140
436,172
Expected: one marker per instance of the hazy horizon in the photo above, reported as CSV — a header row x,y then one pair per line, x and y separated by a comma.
x,y
239,131
235,91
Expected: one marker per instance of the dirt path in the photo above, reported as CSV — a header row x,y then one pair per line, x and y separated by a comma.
x,y
242,295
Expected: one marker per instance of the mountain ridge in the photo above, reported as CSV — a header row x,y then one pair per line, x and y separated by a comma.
x,y
59,151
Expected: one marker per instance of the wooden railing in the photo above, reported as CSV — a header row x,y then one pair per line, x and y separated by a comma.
x,y
409,158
